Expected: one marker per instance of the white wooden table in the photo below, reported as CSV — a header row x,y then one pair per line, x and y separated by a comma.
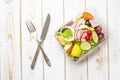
x,y
17,47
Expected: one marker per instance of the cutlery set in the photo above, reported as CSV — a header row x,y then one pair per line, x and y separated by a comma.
x,y
33,33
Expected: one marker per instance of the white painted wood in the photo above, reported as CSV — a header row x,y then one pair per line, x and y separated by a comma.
x,y
2,20
0,61
98,61
10,55
102,65
4,75
73,8
51,46
31,10
74,71
114,32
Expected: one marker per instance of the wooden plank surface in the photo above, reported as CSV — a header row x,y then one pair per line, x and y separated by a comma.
x,y
51,46
17,47
114,46
10,55
31,10
74,71
98,62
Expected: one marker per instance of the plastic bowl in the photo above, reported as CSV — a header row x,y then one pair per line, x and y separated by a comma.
x,y
79,33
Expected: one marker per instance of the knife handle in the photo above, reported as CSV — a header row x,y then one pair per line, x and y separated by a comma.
x,y
35,58
45,56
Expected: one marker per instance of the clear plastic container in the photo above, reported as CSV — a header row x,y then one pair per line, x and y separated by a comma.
x,y
82,35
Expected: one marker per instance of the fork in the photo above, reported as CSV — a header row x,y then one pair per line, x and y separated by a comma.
x,y
32,29
33,33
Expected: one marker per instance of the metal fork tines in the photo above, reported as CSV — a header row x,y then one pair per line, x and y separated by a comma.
x,y
30,26
32,29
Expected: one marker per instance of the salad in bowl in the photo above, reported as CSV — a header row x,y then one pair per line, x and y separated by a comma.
x,y
80,36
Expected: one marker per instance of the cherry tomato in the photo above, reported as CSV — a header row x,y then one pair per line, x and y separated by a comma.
x,y
87,38
89,32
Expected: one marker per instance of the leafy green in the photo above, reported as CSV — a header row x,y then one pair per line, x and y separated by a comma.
x,y
77,42
83,52
78,18
92,43
58,33
71,57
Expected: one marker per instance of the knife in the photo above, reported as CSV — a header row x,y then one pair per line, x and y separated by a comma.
x,y
42,38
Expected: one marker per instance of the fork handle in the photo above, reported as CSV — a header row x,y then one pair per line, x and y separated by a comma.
x,y
35,58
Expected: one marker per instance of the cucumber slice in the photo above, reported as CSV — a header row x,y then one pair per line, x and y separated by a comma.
x,y
85,46
95,37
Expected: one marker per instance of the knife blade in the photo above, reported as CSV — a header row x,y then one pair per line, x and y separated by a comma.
x,y
45,28
42,38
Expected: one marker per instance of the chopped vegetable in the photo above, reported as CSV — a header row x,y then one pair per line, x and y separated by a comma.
x,y
78,18
58,33
61,40
85,46
76,51
79,36
87,16
95,37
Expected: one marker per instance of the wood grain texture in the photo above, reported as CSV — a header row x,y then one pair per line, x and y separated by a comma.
x,y
98,62
31,10
10,60
17,47
51,46
114,31
74,71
